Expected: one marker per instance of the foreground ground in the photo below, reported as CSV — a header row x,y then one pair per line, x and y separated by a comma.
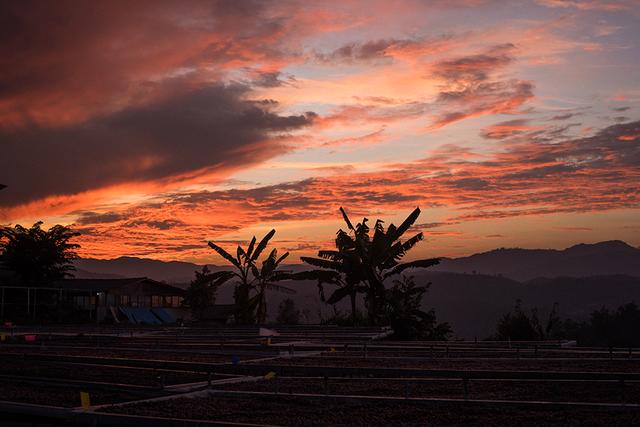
x,y
324,376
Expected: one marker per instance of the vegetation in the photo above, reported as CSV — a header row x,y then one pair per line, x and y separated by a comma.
x,y
363,260
288,314
618,328
201,293
520,326
403,313
252,308
38,256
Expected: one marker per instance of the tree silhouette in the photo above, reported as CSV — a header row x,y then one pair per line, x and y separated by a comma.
x,y
288,314
403,312
201,293
37,255
249,309
363,261
266,278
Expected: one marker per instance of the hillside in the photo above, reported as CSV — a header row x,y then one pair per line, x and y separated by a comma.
x,y
604,258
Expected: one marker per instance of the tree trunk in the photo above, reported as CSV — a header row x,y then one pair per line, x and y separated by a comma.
x,y
353,308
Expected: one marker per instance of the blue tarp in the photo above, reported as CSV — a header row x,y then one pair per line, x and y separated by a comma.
x,y
140,315
164,315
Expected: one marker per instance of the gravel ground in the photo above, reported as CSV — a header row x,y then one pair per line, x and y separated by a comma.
x,y
132,354
470,364
289,411
110,374
565,391
59,396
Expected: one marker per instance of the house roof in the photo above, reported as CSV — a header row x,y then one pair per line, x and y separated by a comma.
x,y
126,286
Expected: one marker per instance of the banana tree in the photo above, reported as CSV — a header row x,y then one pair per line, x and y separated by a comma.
x,y
244,263
267,277
340,268
367,260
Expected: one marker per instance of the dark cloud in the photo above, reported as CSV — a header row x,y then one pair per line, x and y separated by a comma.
x,y
207,128
472,88
88,218
371,50
564,116
166,224
506,129
272,79
475,68
469,184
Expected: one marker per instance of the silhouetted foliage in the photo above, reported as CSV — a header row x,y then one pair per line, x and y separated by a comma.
x,y
362,262
201,293
520,326
402,310
253,308
618,328
288,314
36,255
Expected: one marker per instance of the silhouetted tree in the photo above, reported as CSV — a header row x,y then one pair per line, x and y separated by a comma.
x,y
518,325
37,255
266,279
288,314
367,260
402,310
249,309
619,328
201,293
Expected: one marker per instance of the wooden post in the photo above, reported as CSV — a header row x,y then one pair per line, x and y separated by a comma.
x,y
465,384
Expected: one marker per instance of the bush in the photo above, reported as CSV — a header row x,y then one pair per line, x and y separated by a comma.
x,y
403,313
287,313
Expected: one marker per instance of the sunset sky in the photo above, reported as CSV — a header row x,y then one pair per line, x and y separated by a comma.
x,y
153,126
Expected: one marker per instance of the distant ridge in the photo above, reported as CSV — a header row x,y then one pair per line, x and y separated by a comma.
x,y
166,271
598,259
580,279
604,258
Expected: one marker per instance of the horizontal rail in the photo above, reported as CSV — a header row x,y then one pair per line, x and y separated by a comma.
x,y
433,401
297,370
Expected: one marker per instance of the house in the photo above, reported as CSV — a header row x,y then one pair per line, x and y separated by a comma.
x,y
137,300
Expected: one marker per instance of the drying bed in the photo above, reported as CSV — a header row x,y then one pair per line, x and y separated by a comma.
x,y
329,360
298,411
108,374
63,396
555,391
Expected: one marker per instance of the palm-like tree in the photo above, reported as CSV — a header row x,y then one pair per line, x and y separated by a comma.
x,y
251,309
267,277
37,255
365,260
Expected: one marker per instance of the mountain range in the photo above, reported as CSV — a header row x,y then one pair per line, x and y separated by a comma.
x,y
471,293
